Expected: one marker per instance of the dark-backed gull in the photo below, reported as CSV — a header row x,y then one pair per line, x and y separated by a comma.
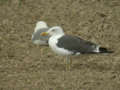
x,y
71,45
41,26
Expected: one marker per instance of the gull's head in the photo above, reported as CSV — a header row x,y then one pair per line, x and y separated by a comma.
x,y
40,24
57,30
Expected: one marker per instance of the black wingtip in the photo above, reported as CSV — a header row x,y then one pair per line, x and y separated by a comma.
x,y
104,50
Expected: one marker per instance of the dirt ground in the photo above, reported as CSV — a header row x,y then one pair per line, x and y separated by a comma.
x,y
25,66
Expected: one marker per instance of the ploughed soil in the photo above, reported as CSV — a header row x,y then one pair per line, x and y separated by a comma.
x,y
25,66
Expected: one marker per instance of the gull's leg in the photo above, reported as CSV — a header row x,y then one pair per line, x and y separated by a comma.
x,y
41,49
68,63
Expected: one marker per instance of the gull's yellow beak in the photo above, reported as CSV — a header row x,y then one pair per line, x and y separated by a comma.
x,y
44,34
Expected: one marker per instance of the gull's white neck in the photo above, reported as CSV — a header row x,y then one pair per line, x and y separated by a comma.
x,y
54,38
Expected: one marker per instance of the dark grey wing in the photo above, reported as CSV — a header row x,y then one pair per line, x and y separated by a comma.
x,y
36,35
76,44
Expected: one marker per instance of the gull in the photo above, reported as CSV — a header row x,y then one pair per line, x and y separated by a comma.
x,y
67,45
38,40
41,26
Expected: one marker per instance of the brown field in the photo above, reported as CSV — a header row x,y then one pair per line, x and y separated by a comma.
x,y
24,67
